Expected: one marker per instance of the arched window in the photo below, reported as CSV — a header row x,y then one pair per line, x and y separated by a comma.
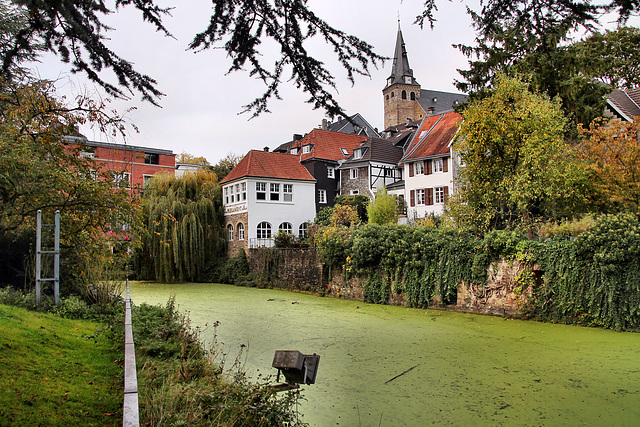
x,y
302,230
230,230
286,227
264,230
387,97
240,228
404,94
392,94
413,96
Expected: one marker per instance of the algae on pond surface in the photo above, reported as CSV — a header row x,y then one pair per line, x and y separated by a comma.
x,y
390,366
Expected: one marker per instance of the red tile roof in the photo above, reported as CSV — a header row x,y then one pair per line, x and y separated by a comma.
x,y
434,136
327,145
263,164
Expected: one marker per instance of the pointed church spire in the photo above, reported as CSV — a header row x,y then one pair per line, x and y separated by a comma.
x,y
401,72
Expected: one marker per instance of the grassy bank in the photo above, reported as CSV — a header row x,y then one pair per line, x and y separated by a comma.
x,y
56,371
180,382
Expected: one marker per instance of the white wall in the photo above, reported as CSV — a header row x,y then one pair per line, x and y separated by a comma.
x,y
301,209
436,179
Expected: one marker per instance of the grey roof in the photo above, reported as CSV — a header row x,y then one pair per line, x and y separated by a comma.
x,y
355,124
625,103
401,72
376,150
441,102
126,147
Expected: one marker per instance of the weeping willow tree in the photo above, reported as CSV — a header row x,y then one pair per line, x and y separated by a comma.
x,y
183,227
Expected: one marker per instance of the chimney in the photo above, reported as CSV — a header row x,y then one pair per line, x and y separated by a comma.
x,y
297,137
266,149
324,124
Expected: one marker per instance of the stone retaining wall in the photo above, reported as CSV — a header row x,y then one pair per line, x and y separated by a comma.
x,y
299,270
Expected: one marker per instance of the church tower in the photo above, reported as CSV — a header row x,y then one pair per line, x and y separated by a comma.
x,y
402,90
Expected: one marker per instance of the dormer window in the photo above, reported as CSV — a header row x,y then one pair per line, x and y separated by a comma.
x,y
407,79
306,149
357,153
294,151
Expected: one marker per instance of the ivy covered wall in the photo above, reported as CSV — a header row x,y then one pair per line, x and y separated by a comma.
x,y
593,279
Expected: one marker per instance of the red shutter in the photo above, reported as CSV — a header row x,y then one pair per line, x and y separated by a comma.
x,y
413,197
446,192
445,165
429,192
428,169
410,169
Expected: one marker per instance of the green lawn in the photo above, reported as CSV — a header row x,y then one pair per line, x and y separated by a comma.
x,y
56,371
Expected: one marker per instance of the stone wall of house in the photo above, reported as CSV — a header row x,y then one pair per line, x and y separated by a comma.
x,y
347,185
236,244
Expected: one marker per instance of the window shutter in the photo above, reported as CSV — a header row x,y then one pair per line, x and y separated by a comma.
x,y
410,169
445,167
413,197
429,192
446,192
428,169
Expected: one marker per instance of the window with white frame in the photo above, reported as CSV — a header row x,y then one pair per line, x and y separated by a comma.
x,y
439,194
274,191
230,232
146,179
344,152
287,192
357,153
122,179
226,195
331,172
322,196
261,191
240,231
264,230
286,227
244,191
420,196
355,192
437,166
306,149
353,173
294,151
418,168
232,195
302,230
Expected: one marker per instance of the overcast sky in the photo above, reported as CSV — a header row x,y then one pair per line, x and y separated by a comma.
x,y
199,113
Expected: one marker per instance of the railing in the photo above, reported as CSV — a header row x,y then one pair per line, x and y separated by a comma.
x,y
130,413
262,243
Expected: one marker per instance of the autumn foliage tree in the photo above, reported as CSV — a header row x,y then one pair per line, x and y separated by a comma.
x,y
41,170
610,151
516,167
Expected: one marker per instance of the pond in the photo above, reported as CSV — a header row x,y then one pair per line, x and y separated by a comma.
x,y
390,366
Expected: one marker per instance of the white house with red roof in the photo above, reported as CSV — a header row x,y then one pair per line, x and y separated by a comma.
x,y
264,194
429,165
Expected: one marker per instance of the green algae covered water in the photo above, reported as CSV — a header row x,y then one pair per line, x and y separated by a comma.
x,y
395,366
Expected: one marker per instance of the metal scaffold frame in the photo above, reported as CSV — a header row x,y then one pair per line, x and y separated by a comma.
x,y
56,257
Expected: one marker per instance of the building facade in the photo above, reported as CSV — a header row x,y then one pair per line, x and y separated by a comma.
x,y
264,194
128,166
430,166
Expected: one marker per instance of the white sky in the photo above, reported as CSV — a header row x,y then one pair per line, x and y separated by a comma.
x,y
199,113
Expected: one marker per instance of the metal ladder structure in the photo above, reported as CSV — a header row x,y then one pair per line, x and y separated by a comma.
x,y
56,257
